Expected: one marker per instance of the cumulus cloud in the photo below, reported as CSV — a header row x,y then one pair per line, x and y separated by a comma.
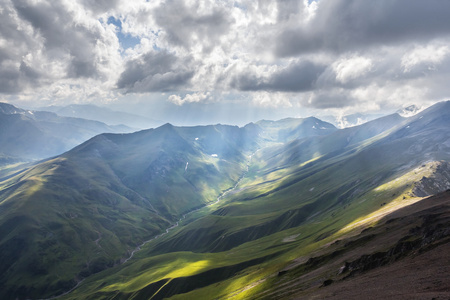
x,y
192,24
15,42
189,98
343,25
287,9
325,54
155,71
351,68
42,42
430,55
296,77
66,35
100,6
271,99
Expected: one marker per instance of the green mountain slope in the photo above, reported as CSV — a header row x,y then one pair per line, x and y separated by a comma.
x,y
308,148
88,210
279,215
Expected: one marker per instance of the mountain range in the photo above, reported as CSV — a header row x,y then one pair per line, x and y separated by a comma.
x,y
294,208
29,135
104,115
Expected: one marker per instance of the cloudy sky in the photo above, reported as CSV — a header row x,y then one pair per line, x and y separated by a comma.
x,y
231,61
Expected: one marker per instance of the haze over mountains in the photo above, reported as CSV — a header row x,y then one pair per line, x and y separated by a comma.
x,y
105,115
26,134
274,209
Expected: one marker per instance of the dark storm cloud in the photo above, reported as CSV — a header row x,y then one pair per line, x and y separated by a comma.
x,y
155,71
297,77
62,35
349,25
186,27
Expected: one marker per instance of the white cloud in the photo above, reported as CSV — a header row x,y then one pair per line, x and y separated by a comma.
x,y
347,69
327,54
271,99
189,98
310,9
430,55
392,95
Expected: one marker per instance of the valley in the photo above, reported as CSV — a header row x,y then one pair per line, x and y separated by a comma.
x,y
284,209
224,194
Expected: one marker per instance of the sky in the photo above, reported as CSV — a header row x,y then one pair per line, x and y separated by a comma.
x,y
226,61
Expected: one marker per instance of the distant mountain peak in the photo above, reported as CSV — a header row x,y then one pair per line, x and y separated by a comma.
x,y
166,126
351,120
10,109
104,115
409,111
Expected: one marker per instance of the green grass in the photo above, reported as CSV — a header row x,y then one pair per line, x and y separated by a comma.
x,y
115,192
342,194
330,219
85,211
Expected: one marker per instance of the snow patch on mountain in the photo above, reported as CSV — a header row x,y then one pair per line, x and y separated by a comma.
x,y
409,111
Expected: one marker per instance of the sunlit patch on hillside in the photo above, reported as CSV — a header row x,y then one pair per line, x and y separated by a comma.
x,y
397,193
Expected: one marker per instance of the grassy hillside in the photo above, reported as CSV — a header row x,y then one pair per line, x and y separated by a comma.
x,y
75,215
57,225
281,215
84,214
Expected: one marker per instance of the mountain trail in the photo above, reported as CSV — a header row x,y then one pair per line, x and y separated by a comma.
x,y
99,238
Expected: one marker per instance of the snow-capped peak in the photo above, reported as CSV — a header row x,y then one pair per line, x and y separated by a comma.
x,y
409,111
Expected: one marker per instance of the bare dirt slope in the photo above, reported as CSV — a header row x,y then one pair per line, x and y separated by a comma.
x,y
425,276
